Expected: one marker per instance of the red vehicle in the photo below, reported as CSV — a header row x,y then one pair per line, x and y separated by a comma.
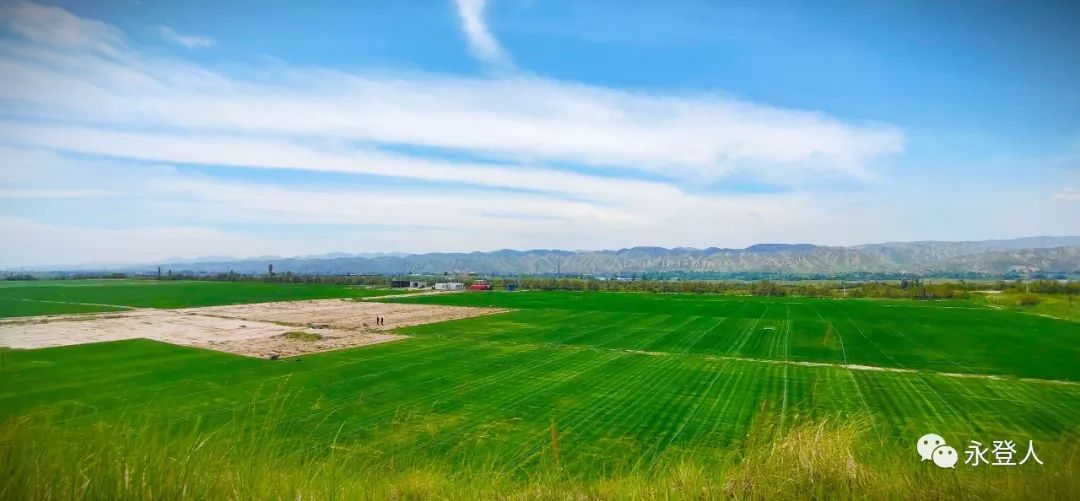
x,y
480,285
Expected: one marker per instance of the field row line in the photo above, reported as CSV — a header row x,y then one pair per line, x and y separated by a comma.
x,y
121,306
242,377
573,418
857,367
515,398
490,380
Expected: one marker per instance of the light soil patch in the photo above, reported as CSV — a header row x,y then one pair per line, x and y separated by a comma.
x,y
257,330
284,345
344,313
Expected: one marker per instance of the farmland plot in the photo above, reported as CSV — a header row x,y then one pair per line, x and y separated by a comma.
x,y
668,379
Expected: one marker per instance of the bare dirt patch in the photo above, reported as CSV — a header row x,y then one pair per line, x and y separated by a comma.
x,y
286,345
259,330
162,325
344,314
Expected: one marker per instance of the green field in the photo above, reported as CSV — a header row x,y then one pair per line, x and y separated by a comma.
x,y
581,388
942,336
1053,305
84,296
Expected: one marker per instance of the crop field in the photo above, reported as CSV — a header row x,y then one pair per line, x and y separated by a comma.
x,y
592,385
84,296
942,336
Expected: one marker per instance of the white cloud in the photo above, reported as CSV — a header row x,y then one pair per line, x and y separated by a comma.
x,y
1068,195
482,43
59,28
52,193
268,153
389,218
514,118
189,41
519,119
186,208
87,93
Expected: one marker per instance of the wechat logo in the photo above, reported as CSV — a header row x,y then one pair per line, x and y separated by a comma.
x,y
932,447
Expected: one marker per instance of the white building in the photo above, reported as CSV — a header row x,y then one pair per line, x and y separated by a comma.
x,y
449,286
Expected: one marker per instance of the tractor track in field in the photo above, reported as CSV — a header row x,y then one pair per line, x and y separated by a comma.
x,y
76,303
848,366
495,379
856,367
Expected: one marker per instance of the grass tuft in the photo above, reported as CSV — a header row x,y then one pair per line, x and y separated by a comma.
x,y
302,336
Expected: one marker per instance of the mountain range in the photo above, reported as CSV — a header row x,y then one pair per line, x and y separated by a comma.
x,y
1042,254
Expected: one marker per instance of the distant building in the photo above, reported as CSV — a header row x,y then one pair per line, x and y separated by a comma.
x,y
449,286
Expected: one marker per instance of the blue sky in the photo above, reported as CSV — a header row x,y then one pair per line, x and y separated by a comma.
x,y
141,131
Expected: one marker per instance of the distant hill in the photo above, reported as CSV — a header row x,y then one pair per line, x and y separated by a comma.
x,y
1046,254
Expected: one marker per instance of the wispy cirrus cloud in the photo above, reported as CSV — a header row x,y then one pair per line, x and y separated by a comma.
x,y
57,27
442,218
519,119
482,43
448,157
189,41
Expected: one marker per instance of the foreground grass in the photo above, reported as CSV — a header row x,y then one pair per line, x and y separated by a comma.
x,y
449,416
826,459
82,296
568,397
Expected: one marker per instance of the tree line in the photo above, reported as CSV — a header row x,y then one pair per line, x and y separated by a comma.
x,y
907,288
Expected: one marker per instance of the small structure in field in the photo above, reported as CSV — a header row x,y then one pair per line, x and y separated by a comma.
x,y
480,285
449,286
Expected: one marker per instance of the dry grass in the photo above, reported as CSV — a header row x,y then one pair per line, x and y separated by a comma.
x,y
815,460
810,460
302,336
